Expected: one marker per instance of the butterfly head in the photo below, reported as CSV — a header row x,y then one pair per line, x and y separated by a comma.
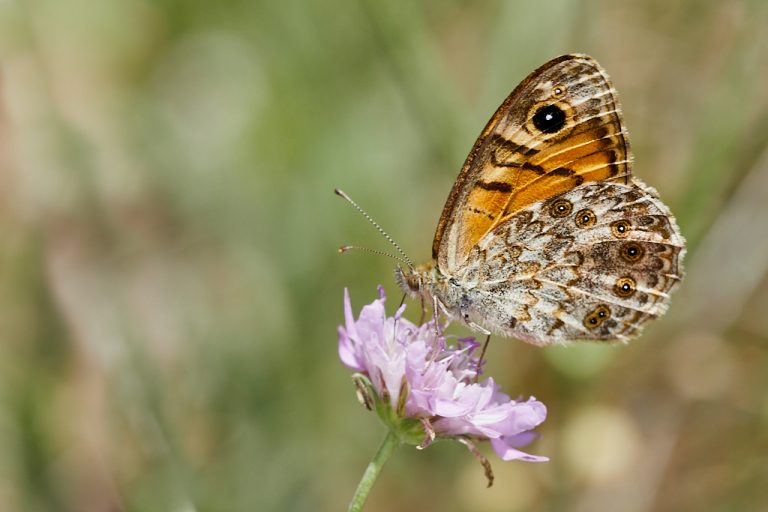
x,y
414,280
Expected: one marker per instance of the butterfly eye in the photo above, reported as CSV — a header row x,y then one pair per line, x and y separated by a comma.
x,y
549,119
625,287
585,218
599,315
561,208
620,228
632,252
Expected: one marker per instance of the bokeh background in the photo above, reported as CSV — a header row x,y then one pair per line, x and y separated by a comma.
x,y
170,286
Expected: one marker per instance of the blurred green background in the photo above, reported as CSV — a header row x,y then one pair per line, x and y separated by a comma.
x,y
170,286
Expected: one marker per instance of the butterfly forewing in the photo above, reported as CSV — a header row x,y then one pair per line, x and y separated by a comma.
x,y
560,127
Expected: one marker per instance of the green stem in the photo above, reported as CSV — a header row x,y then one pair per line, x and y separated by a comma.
x,y
387,448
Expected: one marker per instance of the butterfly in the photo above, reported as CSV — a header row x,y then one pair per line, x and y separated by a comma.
x,y
546,235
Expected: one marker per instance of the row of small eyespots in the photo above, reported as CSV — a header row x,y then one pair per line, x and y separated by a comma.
x,y
583,218
632,252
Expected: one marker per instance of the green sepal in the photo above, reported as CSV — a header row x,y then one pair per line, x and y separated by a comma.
x,y
408,430
411,431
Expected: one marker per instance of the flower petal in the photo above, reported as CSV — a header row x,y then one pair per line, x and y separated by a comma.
x,y
347,352
349,317
526,416
507,452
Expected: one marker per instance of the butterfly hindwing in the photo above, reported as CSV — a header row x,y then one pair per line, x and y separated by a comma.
x,y
599,272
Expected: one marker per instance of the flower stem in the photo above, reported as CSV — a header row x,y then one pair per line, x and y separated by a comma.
x,y
387,448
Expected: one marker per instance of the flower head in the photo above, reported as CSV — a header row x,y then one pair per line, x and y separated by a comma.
x,y
428,388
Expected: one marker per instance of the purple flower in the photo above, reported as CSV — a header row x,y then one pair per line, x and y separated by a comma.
x,y
428,388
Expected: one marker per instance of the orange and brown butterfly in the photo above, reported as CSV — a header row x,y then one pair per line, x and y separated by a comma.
x,y
546,236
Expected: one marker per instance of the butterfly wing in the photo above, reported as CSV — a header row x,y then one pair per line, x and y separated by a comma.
x,y
599,272
559,128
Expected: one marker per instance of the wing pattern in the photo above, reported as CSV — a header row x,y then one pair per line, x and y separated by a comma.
x,y
600,271
561,127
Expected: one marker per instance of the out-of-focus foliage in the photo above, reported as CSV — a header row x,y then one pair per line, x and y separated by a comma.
x,y
170,287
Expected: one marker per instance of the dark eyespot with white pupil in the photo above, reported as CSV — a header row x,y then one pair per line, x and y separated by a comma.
x,y
620,228
585,218
625,287
549,119
561,208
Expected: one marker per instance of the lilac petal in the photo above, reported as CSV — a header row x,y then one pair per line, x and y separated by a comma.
x,y
484,394
507,452
469,343
522,439
349,317
371,319
494,416
526,416
451,408
347,352
400,311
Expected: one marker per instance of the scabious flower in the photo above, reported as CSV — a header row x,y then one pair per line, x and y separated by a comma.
x,y
424,388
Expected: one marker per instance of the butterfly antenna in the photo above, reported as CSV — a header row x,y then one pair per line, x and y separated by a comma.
x,y
347,248
405,259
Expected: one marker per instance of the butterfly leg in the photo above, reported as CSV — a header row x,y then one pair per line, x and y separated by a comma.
x,y
479,328
436,306
482,355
